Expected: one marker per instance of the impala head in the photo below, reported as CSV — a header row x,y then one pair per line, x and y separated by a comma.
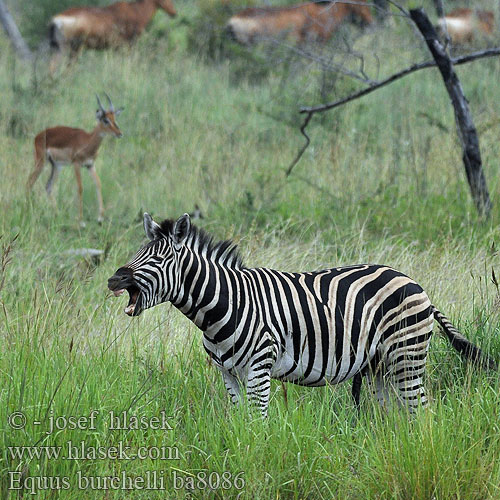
x,y
167,6
152,276
107,119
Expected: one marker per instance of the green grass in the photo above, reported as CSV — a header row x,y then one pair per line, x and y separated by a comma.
x,y
382,182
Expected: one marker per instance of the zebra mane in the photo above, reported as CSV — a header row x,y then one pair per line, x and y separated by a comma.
x,y
223,252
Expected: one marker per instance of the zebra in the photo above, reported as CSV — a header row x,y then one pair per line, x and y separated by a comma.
x,y
309,328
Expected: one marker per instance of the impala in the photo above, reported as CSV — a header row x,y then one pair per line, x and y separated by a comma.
x,y
313,21
66,145
103,27
466,25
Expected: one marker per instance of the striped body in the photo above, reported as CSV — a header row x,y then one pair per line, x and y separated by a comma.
x,y
307,328
325,326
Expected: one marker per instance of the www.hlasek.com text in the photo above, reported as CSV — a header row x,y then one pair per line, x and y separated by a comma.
x,y
83,451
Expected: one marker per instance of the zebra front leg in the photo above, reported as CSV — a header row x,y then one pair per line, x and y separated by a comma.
x,y
233,386
259,373
259,385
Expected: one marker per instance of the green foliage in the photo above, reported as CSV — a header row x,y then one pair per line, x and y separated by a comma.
x,y
208,37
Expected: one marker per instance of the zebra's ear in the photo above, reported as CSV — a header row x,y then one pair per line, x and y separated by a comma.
x,y
152,229
181,229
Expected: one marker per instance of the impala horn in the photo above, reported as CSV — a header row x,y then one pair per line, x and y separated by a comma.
x,y
100,104
111,107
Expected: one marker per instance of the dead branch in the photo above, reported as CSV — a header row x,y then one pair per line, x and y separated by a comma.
x,y
465,124
13,33
372,88
396,76
325,64
304,147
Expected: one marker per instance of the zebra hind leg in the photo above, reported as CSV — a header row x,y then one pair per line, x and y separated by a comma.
x,y
357,381
406,367
233,386
380,388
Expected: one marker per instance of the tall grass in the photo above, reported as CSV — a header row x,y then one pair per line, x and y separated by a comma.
x,y
382,182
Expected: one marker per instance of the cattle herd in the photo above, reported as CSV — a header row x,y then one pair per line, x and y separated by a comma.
x,y
122,22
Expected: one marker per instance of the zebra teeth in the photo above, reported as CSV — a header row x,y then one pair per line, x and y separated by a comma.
x,y
130,309
117,293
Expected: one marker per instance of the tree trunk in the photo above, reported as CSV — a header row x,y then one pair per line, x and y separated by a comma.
x,y
439,7
465,126
13,33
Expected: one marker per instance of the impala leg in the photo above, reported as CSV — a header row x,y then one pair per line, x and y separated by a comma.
x,y
56,39
78,176
34,176
52,178
97,182
55,62
74,53
37,170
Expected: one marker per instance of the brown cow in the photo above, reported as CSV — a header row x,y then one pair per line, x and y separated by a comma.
x,y
313,21
103,27
467,25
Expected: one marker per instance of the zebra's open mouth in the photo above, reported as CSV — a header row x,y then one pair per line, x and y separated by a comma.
x,y
132,309
133,292
121,281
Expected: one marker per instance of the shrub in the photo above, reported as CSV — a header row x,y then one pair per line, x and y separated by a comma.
x,y
207,35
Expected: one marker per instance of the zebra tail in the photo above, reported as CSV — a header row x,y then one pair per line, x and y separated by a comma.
x,y
466,348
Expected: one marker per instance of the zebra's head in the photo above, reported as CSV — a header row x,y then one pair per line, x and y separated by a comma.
x,y
152,277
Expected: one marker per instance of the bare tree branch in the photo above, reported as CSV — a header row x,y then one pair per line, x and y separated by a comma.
x,y
400,8
304,147
325,64
396,76
356,95
13,33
